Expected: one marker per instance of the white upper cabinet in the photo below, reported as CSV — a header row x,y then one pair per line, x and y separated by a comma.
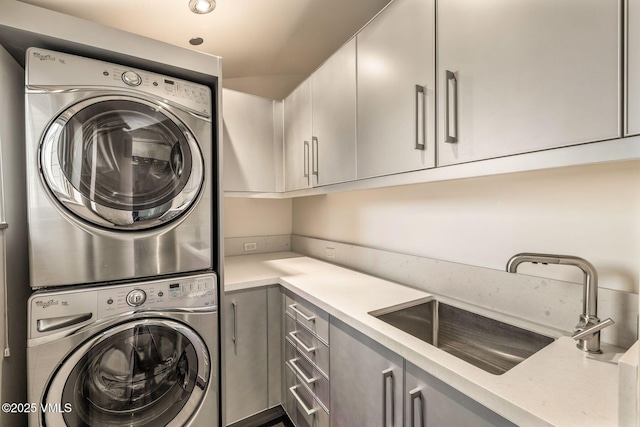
x,y
633,68
396,90
249,144
297,138
516,76
333,145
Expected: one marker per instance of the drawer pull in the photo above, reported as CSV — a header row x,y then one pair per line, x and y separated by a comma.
x,y
294,307
305,378
308,411
298,341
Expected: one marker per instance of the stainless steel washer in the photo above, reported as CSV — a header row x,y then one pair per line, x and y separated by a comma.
x,y
119,170
137,355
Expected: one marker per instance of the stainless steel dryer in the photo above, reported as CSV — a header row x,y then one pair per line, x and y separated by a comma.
x,y
119,165
136,355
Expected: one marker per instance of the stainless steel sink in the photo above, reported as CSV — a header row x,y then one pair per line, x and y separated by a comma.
x,y
486,343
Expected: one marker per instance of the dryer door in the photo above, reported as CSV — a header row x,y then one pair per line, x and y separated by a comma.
x,y
121,163
141,373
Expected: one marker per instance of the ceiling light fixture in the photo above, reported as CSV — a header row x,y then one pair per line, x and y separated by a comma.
x,y
202,6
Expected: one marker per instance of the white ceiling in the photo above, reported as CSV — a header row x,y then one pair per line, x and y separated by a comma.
x,y
268,46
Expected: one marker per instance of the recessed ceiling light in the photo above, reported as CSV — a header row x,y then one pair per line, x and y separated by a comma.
x,y
196,41
202,6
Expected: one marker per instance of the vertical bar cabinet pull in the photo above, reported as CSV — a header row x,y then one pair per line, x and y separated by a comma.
x,y
451,109
386,375
416,394
421,131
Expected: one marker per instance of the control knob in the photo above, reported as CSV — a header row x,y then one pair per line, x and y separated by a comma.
x,y
136,297
131,78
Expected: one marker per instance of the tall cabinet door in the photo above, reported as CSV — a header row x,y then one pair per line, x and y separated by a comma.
x,y
333,88
297,138
367,380
245,347
633,68
516,76
396,90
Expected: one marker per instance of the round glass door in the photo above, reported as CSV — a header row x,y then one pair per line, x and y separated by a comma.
x,y
149,374
121,163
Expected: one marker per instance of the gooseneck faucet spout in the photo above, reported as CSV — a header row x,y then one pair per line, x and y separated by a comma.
x,y
587,331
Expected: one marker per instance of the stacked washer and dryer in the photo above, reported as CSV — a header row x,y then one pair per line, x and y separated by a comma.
x,y
123,326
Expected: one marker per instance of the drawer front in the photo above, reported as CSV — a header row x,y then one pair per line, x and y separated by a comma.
x,y
308,373
301,405
309,315
308,344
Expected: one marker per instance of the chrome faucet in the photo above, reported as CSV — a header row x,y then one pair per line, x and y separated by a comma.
x,y
587,331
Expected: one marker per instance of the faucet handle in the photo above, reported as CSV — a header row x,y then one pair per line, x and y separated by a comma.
x,y
588,332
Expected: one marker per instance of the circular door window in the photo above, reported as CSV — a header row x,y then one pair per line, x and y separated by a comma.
x,y
121,163
147,374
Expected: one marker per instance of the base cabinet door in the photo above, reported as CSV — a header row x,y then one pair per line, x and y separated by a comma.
x,y
366,380
246,352
430,402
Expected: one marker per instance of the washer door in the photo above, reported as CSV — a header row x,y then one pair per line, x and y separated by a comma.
x,y
142,373
121,163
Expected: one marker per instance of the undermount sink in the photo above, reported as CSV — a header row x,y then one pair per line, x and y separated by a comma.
x,y
486,343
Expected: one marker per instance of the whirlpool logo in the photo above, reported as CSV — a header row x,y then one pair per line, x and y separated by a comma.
x,y
47,304
42,57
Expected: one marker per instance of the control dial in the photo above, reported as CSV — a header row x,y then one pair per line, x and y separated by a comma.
x,y
131,78
136,297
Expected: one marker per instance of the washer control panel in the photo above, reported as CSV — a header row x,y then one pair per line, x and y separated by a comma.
x,y
184,292
57,311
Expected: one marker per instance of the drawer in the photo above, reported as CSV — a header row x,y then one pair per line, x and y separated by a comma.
x,y
308,374
302,407
308,344
309,315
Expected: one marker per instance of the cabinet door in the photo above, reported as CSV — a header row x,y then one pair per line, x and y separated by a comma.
x,y
396,90
516,76
246,353
366,380
297,138
633,68
333,88
430,402
248,142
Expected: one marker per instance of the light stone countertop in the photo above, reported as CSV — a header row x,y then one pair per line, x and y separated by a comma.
x,y
559,385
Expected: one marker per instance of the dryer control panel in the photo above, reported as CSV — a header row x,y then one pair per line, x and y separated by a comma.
x,y
59,311
57,71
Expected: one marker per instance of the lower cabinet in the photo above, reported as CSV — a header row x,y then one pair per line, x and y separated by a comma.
x,y
246,351
431,403
277,352
366,380
371,386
